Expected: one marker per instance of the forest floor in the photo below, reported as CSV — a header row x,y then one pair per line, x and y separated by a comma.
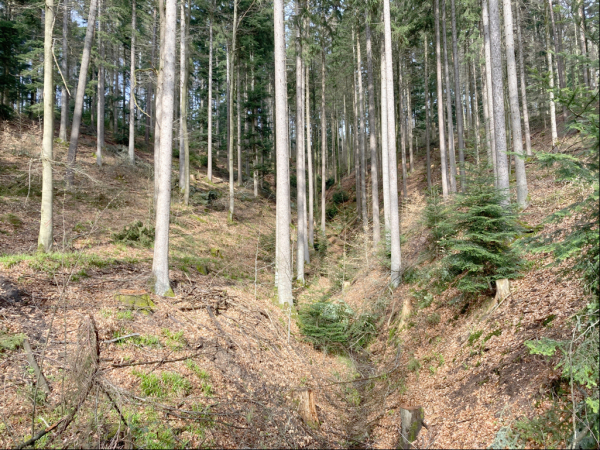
x,y
221,364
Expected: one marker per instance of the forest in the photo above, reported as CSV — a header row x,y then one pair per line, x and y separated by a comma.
x,y
299,224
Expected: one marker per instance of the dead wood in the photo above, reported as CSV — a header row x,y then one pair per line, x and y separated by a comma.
x,y
39,376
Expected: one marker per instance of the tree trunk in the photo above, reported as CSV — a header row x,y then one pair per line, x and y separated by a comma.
x,y
284,272
427,118
475,109
449,121
45,237
551,90
582,41
184,143
498,93
488,86
523,85
356,141
64,94
158,101
101,89
391,122
515,113
457,97
440,103
373,140
403,127
132,87
385,167
230,84
160,264
210,99
311,203
323,143
363,159
77,113
239,125
300,172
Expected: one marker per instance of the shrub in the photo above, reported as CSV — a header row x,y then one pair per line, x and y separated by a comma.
x,y
340,197
331,211
334,325
329,182
136,234
438,220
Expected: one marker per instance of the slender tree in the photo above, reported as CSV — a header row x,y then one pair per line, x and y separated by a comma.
x,y
284,269
323,142
184,143
300,173
160,264
385,167
551,86
498,93
373,139
309,154
101,89
78,112
449,120
457,97
523,85
64,93
45,237
391,122
362,134
427,118
210,98
440,103
513,99
131,153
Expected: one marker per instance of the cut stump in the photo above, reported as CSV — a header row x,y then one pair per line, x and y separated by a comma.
x,y
307,407
412,421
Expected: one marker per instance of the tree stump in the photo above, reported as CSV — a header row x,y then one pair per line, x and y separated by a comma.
x,y
412,421
502,290
307,408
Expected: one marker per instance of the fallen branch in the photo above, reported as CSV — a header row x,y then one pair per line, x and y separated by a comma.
x,y
40,434
120,338
39,376
161,361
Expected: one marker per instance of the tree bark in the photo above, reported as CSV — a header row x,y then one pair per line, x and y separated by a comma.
x,y
284,272
239,125
363,159
132,86
523,85
457,97
394,216
184,142
498,92
427,118
475,109
77,113
323,142
309,153
551,90
300,172
515,113
403,127
440,103
160,264
582,41
45,237
488,86
385,167
373,140
449,121
101,89
210,99
64,94
158,100
230,83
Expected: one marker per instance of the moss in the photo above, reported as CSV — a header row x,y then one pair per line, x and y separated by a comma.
x,y
141,302
11,341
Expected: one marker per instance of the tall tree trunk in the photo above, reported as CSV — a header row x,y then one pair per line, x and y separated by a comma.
x,y
355,140
45,237
309,153
132,87
475,109
582,40
385,166
523,85
160,264
409,122
77,114
210,99
323,142
363,159
449,121
488,87
158,121
239,125
101,89
427,118
498,92
373,140
150,88
300,173
557,48
440,103
391,122
515,113
551,85
184,143
64,94
284,270
457,96
403,127
230,84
